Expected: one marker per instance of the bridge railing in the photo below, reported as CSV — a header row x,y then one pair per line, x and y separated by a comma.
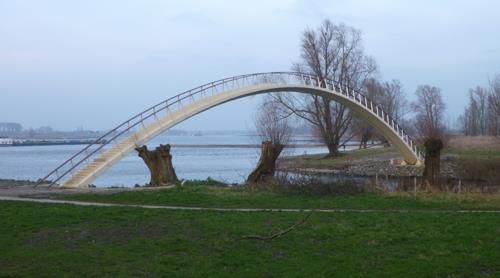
x,y
132,125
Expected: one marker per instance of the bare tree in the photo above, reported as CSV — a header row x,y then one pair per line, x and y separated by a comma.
x,y
274,131
359,127
429,120
332,52
475,115
393,99
270,124
429,108
390,96
495,94
494,107
482,114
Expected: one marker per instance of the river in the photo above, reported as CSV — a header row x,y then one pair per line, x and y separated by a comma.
x,y
231,165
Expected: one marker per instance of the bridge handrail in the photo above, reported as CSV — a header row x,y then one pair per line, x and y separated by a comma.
x,y
100,139
142,116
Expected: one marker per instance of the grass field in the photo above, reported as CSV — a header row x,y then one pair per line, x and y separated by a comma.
x,y
197,193
473,152
48,240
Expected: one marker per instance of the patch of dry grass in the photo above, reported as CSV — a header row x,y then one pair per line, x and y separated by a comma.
x,y
474,142
320,161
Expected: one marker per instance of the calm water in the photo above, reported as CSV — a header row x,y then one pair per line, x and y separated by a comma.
x,y
227,164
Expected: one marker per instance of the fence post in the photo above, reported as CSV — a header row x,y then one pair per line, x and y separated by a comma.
x,y
415,187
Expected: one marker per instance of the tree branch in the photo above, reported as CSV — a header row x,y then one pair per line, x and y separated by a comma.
x,y
280,233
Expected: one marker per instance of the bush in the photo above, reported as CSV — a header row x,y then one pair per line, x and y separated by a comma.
x,y
307,184
483,170
208,182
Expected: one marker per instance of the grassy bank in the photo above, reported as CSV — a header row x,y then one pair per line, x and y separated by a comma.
x,y
38,240
462,146
319,161
197,193
474,152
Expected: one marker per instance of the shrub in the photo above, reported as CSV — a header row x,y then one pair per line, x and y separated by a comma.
x,y
308,184
208,182
484,170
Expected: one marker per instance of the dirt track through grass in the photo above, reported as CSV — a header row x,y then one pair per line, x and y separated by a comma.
x,y
80,203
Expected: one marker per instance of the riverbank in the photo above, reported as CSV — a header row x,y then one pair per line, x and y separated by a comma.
x,y
467,163
33,189
362,162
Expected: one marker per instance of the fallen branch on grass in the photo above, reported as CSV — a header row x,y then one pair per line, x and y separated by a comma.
x,y
279,234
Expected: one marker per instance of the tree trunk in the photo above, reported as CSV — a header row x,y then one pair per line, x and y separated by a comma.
x,y
433,148
159,163
266,166
386,143
333,149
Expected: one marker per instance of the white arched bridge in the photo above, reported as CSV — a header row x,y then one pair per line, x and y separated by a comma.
x,y
85,166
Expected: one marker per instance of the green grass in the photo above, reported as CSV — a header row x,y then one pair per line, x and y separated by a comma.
x,y
319,161
41,240
196,193
476,152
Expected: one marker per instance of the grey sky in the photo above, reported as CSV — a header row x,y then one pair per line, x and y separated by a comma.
x,y
95,63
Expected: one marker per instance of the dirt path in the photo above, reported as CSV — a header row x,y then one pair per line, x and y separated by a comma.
x,y
79,203
43,190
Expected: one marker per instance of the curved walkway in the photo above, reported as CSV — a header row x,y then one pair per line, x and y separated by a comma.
x,y
85,166
80,203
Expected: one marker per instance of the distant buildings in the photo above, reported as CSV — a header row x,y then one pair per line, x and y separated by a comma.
x,y
5,141
10,128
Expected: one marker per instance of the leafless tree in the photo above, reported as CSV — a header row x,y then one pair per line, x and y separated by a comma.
x,y
429,112
393,100
270,123
359,127
331,52
482,114
494,107
429,119
475,114
274,130
390,96
495,94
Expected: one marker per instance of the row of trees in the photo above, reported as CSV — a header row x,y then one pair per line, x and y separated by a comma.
x,y
482,114
335,52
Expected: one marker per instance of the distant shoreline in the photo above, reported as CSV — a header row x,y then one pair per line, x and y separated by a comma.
x,y
36,143
172,145
207,146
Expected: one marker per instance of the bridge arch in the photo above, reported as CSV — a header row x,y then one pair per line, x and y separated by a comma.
x,y
85,166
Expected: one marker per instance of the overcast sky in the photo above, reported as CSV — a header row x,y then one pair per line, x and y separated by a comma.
x,y
92,64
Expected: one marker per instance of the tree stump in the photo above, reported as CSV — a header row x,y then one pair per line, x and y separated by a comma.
x,y
159,163
433,148
266,166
